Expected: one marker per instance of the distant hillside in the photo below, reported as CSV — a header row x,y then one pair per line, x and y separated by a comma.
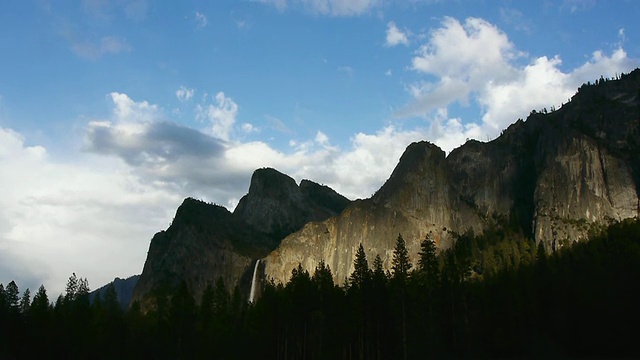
x,y
124,290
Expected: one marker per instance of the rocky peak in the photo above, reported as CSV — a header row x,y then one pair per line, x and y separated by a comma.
x,y
323,198
554,176
277,206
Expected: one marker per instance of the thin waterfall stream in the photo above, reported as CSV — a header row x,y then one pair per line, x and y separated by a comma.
x,y
254,284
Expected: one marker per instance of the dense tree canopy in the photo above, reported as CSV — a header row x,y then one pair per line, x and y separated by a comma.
x,y
491,295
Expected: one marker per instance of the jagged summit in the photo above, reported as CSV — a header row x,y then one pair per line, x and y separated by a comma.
x,y
205,241
554,177
277,206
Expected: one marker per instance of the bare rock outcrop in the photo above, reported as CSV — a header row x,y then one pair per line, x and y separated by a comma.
x,y
555,176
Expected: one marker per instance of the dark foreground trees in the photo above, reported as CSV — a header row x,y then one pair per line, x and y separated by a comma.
x,y
495,295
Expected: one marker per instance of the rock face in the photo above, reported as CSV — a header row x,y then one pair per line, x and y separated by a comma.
x,y
205,241
277,206
555,176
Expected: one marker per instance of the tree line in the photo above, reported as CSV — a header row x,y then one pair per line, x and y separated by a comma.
x,y
491,295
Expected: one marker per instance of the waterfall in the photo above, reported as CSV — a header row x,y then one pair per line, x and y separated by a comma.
x,y
254,281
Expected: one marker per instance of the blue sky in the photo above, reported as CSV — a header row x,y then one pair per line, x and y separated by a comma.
x,y
111,112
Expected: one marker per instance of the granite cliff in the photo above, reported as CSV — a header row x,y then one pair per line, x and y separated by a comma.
x,y
206,242
555,176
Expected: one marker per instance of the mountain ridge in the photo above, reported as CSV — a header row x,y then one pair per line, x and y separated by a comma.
x,y
554,177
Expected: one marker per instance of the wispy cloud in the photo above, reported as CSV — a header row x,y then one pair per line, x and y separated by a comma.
x,y
395,36
108,45
516,19
327,7
222,115
185,94
201,20
347,70
577,5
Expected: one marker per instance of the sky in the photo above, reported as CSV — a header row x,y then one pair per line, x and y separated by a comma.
x,y
112,112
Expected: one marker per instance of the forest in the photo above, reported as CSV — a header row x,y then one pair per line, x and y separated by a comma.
x,y
491,295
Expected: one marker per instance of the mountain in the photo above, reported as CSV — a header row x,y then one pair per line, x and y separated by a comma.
x,y
205,241
124,290
277,206
555,177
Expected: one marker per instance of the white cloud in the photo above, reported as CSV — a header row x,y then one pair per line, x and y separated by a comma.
x,y
63,217
578,5
328,7
395,36
73,217
184,94
201,20
222,115
483,68
249,128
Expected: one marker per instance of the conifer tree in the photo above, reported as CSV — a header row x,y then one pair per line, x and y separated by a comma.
x,y
379,276
12,296
3,299
428,262
72,288
40,304
361,272
401,265
25,301
322,277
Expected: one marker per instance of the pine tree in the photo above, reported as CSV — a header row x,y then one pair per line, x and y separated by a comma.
x,y
12,296
379,276
40,303
71,289
322,277
25,301
111,303
428,262
401,265
361,273
3,300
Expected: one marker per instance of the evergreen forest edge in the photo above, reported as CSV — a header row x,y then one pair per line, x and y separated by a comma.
x,y
491,295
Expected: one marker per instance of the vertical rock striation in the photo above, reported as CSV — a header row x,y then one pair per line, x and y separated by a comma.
x,y
555,176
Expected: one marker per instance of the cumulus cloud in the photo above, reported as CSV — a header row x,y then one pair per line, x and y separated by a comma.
x,y
485,68
138,165
222,115
184,160
327,7
62,217
395,36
